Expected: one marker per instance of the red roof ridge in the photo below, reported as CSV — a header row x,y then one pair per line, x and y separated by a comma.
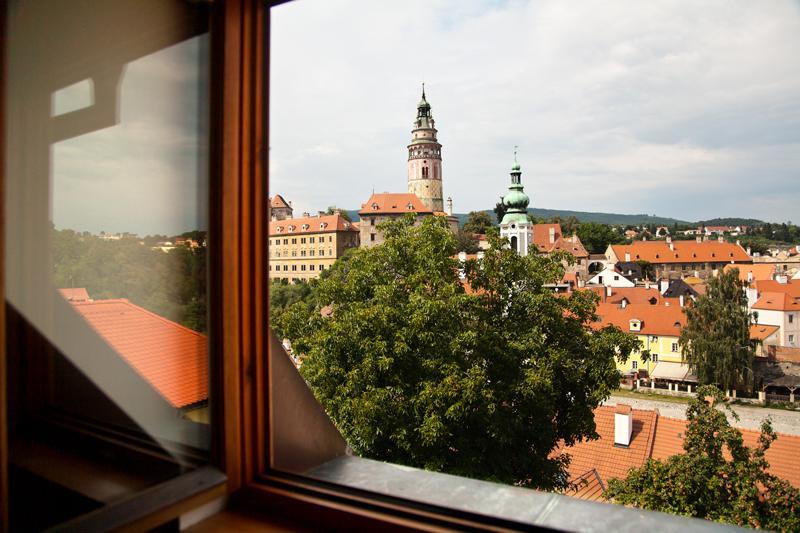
x,y
140,308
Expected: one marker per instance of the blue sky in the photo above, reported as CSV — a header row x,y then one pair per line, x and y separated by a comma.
x,y
685,109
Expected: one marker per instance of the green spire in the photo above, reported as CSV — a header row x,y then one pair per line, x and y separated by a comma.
x,y
516,201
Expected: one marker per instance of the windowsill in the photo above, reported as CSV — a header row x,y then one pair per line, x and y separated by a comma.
x,y
494,501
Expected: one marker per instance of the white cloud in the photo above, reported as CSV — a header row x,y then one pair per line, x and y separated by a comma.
x,y
620,106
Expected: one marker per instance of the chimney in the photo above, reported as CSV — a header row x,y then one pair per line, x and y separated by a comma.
x,y
682,300
608,291
627,257
623,303
306,214
671,246
750,277
698,239
449,206
647,284
462,256
783,279
669,239
738,242
623,425
720,239
663,285
552,235
749,250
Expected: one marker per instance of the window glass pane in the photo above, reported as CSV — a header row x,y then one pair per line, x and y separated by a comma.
x,y
106,203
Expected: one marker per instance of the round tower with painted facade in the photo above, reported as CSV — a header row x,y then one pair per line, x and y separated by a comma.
x,y
425,159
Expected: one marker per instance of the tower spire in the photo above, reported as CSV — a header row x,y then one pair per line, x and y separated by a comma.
x,y
423,90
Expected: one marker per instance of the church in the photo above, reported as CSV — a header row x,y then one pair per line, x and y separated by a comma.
x,y
424,196
527,238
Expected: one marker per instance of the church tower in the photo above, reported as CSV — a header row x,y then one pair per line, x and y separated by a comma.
x,y
515,225
425,159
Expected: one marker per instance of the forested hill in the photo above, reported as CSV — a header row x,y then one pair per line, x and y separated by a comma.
x,y
732,222
583,216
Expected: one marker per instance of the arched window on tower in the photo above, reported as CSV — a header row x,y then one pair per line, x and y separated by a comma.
x,y
514,243
424,172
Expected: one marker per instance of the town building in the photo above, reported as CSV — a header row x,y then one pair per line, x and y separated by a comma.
x,y
388,206
628,437
784,260
278,208
677,259
171,358
777,303
301,248
610,277
525,238
425,159
722,230
658,327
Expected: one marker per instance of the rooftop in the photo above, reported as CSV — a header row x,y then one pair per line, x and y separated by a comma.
x,y
311,224
682,252
393,203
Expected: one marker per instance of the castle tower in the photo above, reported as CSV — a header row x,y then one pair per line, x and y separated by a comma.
x,y
425,159
515,225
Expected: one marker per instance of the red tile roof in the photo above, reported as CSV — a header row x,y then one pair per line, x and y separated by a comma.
x,y
172,358
683,252
655,319
541,238
782,454
760,332
791,287
278,201
589,486
760,271
315,224
777,301
390,202
610,461
634,295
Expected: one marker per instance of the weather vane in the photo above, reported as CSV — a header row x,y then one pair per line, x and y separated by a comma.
x,y
515,153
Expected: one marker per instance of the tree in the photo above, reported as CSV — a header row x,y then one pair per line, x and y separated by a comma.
x,y
332,210
500,210
478,222
486,382
717,478
466,242
596,237
716,339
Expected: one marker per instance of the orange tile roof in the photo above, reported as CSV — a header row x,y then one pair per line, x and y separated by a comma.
x,y
278,201
541,238
391,202
760,332
172,358
315,224
601,455
655,319
589,486
683,252
75,295
782,454
777,301
760,271
634,295
791,287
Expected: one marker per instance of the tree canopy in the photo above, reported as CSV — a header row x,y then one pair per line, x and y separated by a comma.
x,y
716,339
478,222
717,478
481,377
596,237
499,210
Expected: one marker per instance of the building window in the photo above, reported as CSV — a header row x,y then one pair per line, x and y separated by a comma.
x,y
322,267
294,241
371,237
634,365
791,318
311,267
303,268
302,240
321,253
311,240
791,339
285,268
654,357
371,221
294,268
285,241
674,346
311,253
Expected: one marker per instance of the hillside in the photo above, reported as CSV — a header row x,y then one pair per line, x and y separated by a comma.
x,y
583,216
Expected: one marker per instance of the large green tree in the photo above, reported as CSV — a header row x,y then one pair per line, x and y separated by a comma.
x,y
716,339
596,237
481,377
717,478
478,222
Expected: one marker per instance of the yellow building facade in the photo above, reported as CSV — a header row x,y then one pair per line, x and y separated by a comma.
x,y
302,248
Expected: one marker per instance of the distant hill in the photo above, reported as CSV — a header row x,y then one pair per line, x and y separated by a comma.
x,y
583,216
731,222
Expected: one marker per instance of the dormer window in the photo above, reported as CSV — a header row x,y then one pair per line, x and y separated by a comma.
x,y
374,207
280,229
653,300
292,228
635,324
410,206
713,255
323,225
305,227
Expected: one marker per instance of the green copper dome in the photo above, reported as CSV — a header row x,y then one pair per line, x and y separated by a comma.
x,y
516,201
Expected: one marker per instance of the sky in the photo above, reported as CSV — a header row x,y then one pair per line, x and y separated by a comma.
x,y
687,109
147,174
